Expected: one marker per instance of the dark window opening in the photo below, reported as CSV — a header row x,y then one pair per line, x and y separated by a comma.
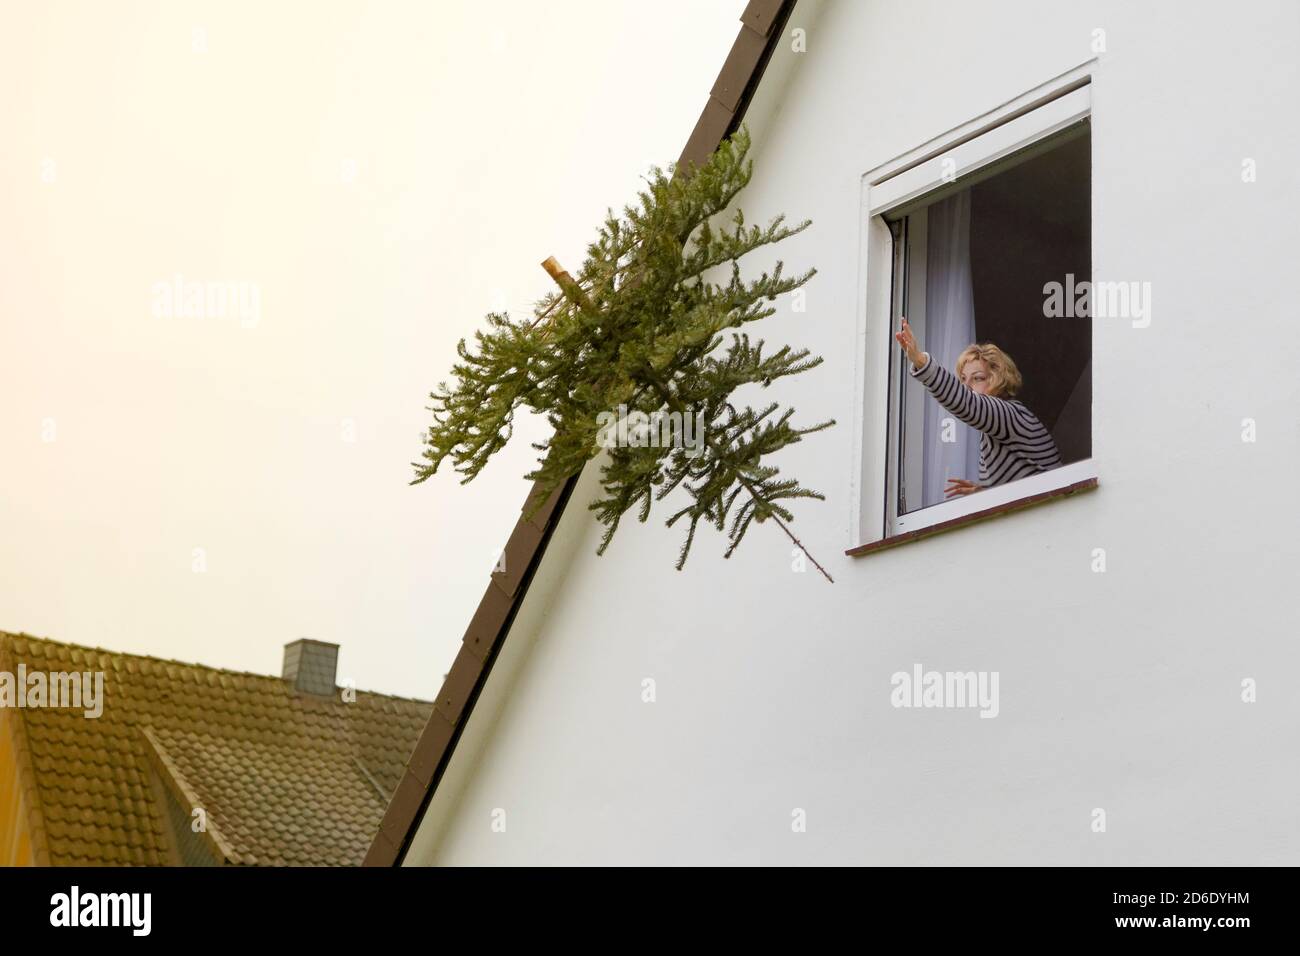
x,y
971,265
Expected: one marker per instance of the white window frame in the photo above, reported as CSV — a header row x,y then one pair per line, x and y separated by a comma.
x,y
1017,124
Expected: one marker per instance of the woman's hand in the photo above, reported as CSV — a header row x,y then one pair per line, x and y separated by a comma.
x,y
960,486
907,340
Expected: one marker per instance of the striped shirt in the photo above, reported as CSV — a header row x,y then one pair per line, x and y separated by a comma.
x,y
1013,443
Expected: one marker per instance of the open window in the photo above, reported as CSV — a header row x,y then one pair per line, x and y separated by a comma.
x,y
976,237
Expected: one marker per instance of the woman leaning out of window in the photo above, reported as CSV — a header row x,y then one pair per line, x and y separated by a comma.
x,y
1013,443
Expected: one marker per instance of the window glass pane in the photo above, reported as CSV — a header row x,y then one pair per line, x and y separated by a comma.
x,y
972,267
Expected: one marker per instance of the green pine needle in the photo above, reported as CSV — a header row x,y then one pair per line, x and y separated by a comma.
x,y
644,331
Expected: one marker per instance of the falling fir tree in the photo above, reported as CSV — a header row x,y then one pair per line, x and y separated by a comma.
x,y
642,330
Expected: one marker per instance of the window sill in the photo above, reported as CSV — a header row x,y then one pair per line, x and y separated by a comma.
x,y
1087,484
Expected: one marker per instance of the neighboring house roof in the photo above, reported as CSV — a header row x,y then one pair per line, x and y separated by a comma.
x,y
285,777
762,25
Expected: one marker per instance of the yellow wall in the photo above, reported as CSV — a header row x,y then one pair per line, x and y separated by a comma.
x,y
15,842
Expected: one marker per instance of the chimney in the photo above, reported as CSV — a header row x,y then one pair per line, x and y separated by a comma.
x,y
310,666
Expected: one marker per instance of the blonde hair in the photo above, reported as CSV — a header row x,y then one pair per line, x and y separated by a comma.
x,y
1006,377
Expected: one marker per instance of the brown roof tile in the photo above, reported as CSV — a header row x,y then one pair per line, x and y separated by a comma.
x,y
285,780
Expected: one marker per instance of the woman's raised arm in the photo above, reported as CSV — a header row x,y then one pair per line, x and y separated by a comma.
x,y
996,417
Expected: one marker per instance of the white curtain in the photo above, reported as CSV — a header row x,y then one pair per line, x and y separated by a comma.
x,y
949,328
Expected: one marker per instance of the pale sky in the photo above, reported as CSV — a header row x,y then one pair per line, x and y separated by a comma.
x,y
373,177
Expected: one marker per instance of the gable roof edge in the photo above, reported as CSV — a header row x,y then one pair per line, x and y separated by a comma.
x,y
171,777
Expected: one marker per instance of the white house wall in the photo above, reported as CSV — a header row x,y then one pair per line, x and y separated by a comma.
x,y
1119,691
